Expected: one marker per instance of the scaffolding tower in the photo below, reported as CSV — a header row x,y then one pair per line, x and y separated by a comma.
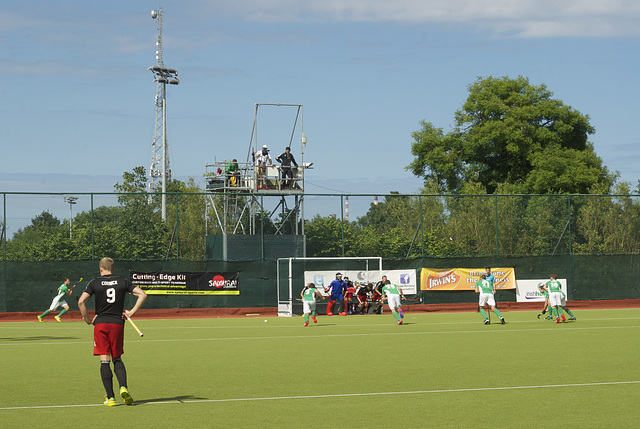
x,y
242,202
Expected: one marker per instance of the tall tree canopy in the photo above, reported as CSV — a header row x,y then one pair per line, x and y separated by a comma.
x,y
514,134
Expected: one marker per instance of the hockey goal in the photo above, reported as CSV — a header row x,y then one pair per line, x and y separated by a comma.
x,y
294,273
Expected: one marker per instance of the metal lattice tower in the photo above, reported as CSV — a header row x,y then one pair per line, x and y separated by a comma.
x,y
160,171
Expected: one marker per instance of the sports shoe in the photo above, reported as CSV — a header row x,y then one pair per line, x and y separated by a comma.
x,y
343,314
40,319
486,322
314,319
563,318
329,314
557,320
572,318
502,321
548,318
128,400
400,322
58,319
306,324
110,402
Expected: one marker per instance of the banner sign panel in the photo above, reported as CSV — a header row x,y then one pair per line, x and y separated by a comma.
x,y
464,279
186,283
527,290
405,279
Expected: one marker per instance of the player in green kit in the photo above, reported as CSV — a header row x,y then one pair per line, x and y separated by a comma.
x,y
546,302
554,288
59,301
486,290
309,295
393,294
557,298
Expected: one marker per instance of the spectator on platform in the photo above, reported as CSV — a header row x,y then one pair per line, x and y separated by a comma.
x,y
286,159
233,173
262,160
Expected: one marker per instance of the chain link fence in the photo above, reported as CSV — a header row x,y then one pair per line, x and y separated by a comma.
x,y
87,226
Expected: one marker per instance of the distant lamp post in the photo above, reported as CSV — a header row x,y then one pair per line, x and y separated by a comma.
x,y
71,201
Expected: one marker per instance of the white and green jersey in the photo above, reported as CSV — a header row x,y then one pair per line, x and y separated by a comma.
x,y
62,291
554,286
309,294
390,289
485,286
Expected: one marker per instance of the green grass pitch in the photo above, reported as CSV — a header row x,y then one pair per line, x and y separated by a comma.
x,y
438,370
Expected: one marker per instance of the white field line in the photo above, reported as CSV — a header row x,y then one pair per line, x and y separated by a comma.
x,y
371,334
340,395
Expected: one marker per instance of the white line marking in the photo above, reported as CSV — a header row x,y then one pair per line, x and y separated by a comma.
x,y
342,395
371,334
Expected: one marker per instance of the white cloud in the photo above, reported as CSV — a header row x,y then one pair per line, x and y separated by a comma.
x,y
522,18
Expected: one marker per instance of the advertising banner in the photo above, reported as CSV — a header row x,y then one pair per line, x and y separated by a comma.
x,y
186,283
405,279
527,290
459,279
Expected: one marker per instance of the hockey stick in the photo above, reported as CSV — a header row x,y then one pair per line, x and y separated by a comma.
x,y
134,326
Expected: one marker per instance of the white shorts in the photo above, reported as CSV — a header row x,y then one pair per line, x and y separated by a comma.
x,y
556,299
57,302
393,301
487,298
308,306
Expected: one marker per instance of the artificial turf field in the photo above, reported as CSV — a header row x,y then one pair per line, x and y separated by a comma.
x,y
437,370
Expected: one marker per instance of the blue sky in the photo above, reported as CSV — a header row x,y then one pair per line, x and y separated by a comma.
x,y
77,103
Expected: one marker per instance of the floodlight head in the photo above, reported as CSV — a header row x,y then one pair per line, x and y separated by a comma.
x,y
154,14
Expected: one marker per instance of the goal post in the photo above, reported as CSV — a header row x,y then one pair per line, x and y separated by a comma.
x,y
292,274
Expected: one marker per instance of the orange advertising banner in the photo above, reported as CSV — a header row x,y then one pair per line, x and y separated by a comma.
x,y
464,278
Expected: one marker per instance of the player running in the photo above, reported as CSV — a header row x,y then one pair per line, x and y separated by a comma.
x,y
108,325
486,290
393,295
59,301
309,295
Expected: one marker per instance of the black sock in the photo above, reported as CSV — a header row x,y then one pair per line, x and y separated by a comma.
x,y
107,378
121,372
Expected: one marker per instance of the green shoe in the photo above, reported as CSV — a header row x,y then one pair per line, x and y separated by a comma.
x,y
110,402
128,400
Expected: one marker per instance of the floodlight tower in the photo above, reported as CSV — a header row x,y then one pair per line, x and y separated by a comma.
x,y
160,170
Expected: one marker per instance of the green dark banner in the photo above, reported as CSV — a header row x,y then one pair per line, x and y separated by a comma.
x,y
186,283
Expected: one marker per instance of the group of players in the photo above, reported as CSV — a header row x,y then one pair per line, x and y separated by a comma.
x,y
110,290
341,294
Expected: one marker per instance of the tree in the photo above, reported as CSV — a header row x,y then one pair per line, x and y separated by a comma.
x,y
511,132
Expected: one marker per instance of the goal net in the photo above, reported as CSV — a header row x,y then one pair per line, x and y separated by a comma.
x,y
294,273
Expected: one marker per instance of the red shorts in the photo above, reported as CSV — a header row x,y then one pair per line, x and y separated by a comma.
x,y
362,299
108,339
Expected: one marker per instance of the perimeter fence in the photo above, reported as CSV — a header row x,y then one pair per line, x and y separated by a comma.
x,y
54,227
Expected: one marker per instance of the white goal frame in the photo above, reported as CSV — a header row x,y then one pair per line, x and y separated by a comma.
x,y
285,303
